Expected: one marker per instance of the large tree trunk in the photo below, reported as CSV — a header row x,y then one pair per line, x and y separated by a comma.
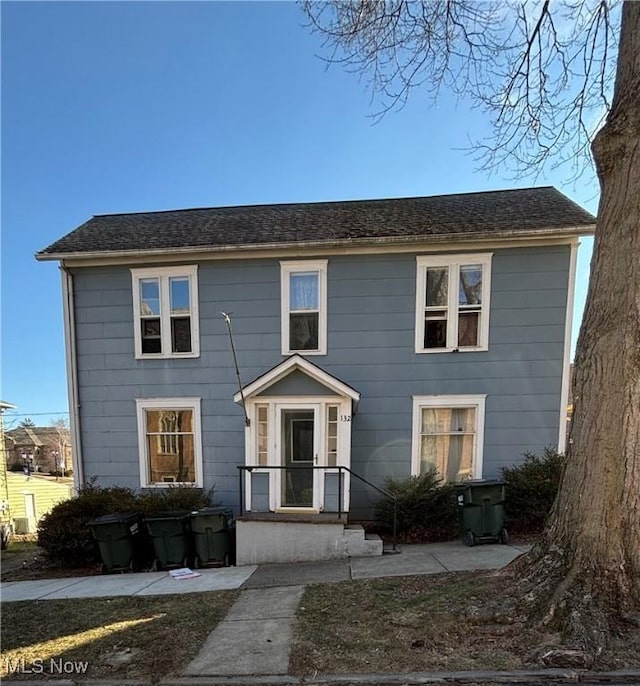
x,y
586,571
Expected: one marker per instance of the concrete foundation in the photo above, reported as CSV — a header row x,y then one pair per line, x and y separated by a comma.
x,y
276,541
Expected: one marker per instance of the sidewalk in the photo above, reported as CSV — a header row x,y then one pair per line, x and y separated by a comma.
x,y
433,558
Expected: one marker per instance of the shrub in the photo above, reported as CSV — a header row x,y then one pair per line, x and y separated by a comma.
x,y
426,508
173,499
65,536
63,533
530,489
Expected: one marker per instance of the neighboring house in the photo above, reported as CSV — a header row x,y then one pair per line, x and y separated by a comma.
x,y
30,498
385,336
26,498
46,448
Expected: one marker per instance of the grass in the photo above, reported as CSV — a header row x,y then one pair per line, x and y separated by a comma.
x,y
421,623
119,638
19,546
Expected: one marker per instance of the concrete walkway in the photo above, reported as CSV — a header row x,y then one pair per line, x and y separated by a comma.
x,y
254,638
433,558
146,583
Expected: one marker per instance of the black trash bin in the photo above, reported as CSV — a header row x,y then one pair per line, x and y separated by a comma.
x,y
481,511
213,536
171,537
119,539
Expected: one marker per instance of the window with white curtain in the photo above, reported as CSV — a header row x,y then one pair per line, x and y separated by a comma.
x,y
304,307
448,436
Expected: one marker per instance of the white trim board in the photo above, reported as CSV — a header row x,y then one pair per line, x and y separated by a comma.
x,y
566,361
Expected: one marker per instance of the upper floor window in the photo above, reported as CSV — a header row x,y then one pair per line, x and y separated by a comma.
x,y
169,438
448,436
165,307
304,307
452,302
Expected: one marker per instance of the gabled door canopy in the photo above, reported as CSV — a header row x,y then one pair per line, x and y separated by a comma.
x,y
291,364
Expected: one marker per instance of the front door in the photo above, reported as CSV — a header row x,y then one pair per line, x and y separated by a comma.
x,y
298,449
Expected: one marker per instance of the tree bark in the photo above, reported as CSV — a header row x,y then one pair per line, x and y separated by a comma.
x,y
585,574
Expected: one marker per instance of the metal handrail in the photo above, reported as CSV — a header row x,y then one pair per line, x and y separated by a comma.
x,y
340,469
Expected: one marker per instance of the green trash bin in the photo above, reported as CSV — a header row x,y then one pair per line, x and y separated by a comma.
x,y
119,539
212,532
171,537
481,511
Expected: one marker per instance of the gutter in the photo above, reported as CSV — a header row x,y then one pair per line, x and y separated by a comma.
x,y
68,308
566,232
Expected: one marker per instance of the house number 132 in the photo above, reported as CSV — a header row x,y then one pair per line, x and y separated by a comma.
x,y
345,417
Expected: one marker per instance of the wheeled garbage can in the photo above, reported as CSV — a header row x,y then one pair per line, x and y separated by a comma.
x,y
171,537
118,537
212,532
481,511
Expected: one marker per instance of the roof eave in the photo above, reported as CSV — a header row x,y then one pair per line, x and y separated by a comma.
x,y
566,232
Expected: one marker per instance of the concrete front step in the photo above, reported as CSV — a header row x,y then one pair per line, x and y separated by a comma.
x,y
357,543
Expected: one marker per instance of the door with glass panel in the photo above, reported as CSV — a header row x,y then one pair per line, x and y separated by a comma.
x,y
298,450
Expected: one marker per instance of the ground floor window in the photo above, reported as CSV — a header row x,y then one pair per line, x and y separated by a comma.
x,y
169,441
448,436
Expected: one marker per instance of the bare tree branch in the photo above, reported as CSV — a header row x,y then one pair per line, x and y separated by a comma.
x,y
542,71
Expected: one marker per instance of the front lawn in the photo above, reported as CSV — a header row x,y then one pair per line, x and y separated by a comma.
x,y
422,623
118,638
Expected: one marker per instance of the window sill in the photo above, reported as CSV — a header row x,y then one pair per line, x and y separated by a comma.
x,y
435,351
173,484
303,353
174,356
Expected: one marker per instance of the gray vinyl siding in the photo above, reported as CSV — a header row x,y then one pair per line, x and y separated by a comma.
x,y
371,319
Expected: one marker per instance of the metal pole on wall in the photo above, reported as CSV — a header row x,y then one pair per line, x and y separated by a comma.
x,y
227,319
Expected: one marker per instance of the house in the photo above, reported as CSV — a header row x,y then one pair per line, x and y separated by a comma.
x,y
384,337
26,497
47,449
33,496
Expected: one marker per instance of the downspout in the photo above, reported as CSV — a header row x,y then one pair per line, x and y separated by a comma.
x,y
566,362
68,307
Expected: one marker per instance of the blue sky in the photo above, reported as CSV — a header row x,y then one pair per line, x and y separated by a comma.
x,y
125,106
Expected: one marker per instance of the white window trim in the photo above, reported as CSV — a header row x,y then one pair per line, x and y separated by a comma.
x,y
453,262
421,401
286,269
193,404
163,274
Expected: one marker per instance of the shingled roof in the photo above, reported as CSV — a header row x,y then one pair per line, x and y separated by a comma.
x,y
521,212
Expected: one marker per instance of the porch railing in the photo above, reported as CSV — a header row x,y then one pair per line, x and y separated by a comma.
x,y
244,469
